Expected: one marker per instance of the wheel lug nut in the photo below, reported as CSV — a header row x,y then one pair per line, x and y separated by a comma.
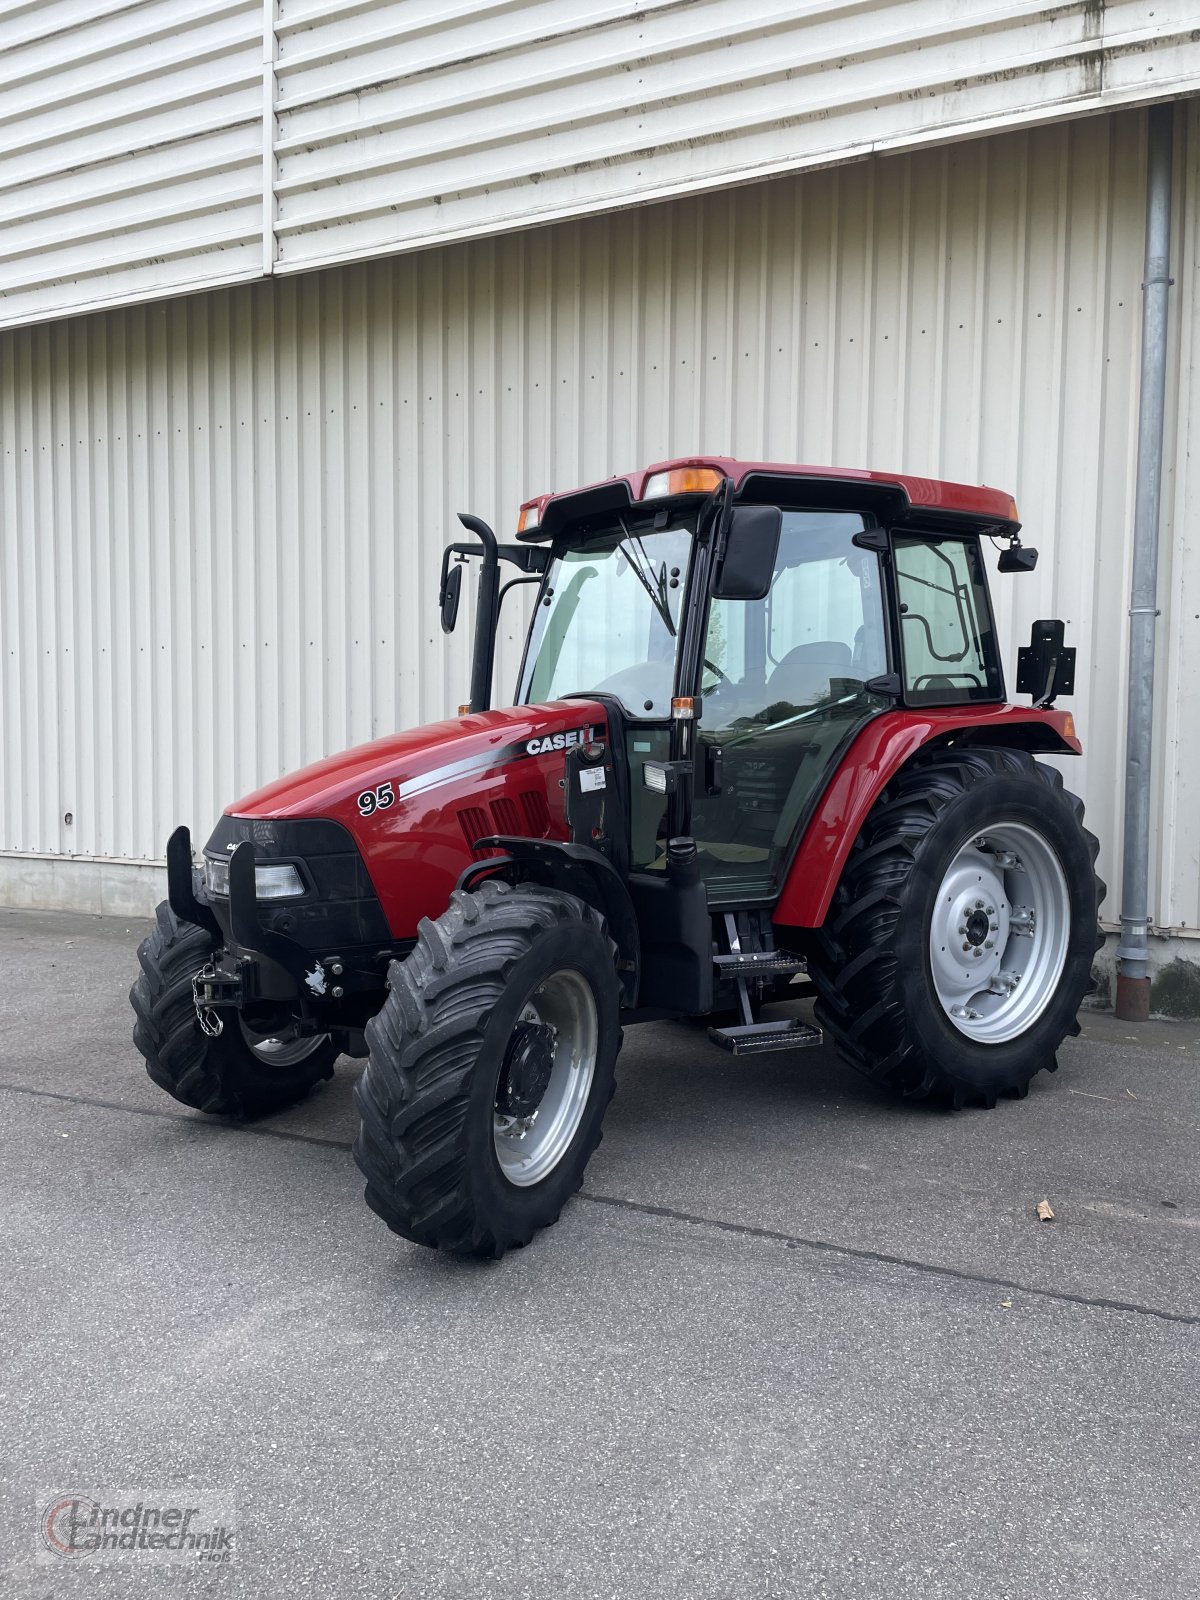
x,y
987,944
966,946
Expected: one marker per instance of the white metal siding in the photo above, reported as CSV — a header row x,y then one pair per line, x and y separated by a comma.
x,y
170,144
221,516
405,124
130,150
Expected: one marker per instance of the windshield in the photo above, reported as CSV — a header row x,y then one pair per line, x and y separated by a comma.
x,y
609,618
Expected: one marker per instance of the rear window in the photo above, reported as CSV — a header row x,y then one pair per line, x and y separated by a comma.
x,y
946,633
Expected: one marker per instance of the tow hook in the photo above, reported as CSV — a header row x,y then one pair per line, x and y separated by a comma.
x,y
206,1015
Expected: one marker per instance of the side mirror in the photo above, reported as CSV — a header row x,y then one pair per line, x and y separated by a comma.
x,y
749,561
1017,558
449,597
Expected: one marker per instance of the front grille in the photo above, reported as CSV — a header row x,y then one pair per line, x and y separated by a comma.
x,y
341,909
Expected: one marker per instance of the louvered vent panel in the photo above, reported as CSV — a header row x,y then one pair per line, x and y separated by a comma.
x,y
473,821
506,815
537,812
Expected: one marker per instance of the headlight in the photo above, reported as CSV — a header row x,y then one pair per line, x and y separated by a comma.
x,y
271,882
278,882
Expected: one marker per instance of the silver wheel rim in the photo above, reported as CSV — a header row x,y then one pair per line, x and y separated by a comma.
x,y
286,1049
529,1148
999,934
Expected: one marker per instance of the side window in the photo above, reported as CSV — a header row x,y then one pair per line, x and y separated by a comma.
x,y
945,623
827,599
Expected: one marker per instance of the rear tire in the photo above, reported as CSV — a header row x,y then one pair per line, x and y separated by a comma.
x,y
884,962
444,1160
224,1076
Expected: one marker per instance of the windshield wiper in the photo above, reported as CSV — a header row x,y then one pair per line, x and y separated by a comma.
x,y
654,586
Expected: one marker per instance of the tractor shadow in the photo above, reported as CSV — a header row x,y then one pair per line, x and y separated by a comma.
x,y
671,1073
671,1079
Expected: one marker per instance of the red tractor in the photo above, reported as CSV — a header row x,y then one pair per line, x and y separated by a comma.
x,y
760,730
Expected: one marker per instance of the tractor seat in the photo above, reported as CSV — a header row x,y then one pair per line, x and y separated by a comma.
x,y
802,677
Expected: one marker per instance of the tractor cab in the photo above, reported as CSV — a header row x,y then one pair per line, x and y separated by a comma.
x,y
743,623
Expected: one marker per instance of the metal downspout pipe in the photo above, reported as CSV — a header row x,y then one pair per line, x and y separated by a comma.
x,y
1133,978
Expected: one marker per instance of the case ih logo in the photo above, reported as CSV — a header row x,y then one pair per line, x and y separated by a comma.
x,y
560,741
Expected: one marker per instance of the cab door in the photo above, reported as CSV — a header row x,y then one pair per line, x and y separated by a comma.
x,y
785,684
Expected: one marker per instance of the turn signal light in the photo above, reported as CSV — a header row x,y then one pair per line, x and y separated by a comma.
x,y
1069,726
681,480
528,520
683,708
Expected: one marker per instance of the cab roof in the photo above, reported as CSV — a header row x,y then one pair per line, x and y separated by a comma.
x,y
895,497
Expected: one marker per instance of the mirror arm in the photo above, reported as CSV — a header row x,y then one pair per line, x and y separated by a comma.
x,y
532,558
515,583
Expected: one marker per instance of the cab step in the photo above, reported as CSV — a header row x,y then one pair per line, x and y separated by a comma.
x,y
749,1036
760,964
755,1038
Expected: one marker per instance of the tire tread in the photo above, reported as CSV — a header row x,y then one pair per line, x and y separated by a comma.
x,y
852,962
422,1050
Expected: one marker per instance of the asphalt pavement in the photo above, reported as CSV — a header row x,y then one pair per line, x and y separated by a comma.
x,y
793,1338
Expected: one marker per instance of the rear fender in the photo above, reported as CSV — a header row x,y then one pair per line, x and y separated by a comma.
x,y
575,869
884,745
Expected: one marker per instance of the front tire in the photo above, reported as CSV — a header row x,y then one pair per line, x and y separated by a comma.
x,y
489,1070
960,941
234,1075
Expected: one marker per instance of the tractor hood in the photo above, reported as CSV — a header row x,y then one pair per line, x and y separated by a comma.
x,y
414,803
419,760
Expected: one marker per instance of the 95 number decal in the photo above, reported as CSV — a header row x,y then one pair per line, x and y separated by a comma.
x,y
372,800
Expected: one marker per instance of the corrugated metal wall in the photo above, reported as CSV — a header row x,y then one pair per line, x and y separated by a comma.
x,y
155,146
130,149
222,515
403,125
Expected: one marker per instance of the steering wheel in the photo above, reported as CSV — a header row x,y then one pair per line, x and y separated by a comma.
x,y
712,667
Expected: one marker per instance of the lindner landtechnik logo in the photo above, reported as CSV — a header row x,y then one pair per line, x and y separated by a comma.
x,y
152,1530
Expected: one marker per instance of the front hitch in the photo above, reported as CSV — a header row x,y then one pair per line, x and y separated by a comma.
x,y
212,990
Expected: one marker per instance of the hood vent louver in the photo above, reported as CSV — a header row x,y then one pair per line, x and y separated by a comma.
x,y
506,816
473,821
537,813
